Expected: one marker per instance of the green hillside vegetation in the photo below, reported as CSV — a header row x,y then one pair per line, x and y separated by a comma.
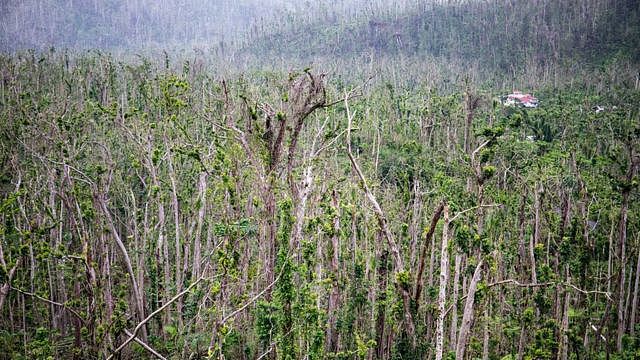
x,y
379,204
500,35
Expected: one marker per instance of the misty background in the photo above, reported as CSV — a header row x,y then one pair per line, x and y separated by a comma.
x,y
515,36
165,24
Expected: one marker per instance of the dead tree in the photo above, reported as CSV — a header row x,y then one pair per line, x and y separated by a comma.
x,y
384,227
305,94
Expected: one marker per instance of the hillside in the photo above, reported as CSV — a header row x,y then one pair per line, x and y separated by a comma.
x,y
501,35
327,181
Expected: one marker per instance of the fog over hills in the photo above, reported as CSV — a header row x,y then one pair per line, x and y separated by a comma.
x,y
500,35
139,24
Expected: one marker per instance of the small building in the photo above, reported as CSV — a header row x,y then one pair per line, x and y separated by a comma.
x,y
518,98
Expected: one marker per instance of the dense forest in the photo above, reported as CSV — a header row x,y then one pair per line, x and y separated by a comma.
x,y
297,180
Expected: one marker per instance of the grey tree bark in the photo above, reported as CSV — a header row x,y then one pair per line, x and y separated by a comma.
x,y
467,317
444,279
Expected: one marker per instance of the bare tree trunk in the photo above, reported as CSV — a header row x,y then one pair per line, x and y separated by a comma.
x,y
622,273
427,239
627,303
4,290
107,291
521,343
380,301
444,279
414,227
611,256
6,286
270,207
354,235
521,238
536,232
454,303
137,292
197,241
178,242
334,296
467,317
56,280
138,241
471,105
301,208
384,226
634,302
485,337
622,251
563,352
432,265
584,214
162,250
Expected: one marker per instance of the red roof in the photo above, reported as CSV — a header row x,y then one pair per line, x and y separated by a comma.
x,y
517,95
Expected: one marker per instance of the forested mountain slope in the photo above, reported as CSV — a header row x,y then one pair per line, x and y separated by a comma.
x,y
390,208
240,226
501,35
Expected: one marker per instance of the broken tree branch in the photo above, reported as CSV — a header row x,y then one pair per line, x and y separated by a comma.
x,y
55,303
159,310
145,346
427,238
550,283
384,226
457,215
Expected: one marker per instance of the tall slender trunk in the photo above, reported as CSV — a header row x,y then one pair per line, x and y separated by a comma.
x,y
414,227
634,302
334,296
535,240
139,238
586,228
444,279
522,247
467,316
627,303
177,234
301,208
197,241
622,251
56,280
486,333
563,352
454,303
137,292
380,305
611,256
393,245
354,236
162,249
521,343
428,238
107,291
270,207
430,279
622,271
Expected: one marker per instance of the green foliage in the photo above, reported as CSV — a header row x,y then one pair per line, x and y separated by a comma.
x,y
135,135
545,345
266,321
41,347
403,279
